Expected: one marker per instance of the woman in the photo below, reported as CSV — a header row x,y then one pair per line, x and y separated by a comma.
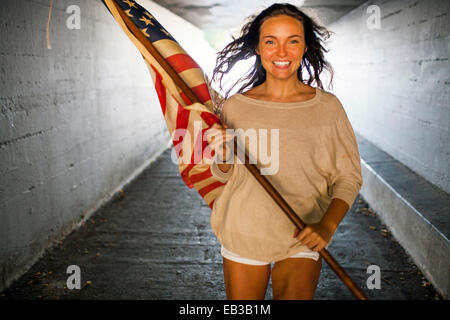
x,y
318,174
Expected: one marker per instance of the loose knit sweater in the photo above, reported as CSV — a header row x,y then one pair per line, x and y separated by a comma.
x,y
318,160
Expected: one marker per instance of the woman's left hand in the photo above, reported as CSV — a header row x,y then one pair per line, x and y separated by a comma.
x,y
315,236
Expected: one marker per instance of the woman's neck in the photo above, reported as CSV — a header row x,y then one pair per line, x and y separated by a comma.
x,y
282,90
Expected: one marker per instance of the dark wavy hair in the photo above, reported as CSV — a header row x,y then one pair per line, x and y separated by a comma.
x,y
244,47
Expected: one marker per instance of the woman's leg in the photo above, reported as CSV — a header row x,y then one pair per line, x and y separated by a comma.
x,y
295,278
244,281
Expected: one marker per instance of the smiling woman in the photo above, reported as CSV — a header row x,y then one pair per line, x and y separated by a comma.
x,y
312,36
319,171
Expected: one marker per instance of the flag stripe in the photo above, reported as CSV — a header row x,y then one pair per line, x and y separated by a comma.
x,y
185,98
167,48
160,91
182,117
202,92
201,176
192,77
209,118
181,62
212,186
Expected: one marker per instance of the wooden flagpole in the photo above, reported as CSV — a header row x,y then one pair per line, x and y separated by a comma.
x,y
295,219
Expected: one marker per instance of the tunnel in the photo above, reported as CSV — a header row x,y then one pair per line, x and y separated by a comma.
x,y
89,185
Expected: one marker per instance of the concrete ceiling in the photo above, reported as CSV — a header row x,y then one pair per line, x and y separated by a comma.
x,y
230,14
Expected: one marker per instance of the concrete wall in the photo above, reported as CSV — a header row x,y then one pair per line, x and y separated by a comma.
x,y
76,123
394,81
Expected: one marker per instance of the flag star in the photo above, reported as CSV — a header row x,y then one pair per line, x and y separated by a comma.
x,y
146,21
128,12
148,15
144,31
130,4
165,32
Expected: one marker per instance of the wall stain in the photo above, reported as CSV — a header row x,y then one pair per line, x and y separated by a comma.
x,y
391,14
26,136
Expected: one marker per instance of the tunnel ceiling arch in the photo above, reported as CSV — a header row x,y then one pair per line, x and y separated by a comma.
x,y
229,14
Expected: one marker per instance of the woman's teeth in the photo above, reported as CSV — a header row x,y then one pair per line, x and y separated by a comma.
x,y
281,63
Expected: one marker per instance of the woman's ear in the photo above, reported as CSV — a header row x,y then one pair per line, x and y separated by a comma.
x,y
306,49
257,50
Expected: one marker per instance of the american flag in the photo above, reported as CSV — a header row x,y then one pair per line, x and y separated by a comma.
x,y
178,110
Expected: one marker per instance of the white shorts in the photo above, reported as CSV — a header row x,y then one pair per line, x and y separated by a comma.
x,y
237,258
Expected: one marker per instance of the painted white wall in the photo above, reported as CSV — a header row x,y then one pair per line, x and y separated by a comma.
x,y
394,82
77,122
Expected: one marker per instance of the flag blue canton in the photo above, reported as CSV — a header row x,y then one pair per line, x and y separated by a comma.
x,y
152,29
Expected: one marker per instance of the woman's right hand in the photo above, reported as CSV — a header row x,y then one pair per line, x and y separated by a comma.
x,y
218,139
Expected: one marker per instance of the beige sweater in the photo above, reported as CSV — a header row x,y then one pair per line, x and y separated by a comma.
x,y
318,160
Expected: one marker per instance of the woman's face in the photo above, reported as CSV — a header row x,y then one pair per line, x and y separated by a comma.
x,y
281,46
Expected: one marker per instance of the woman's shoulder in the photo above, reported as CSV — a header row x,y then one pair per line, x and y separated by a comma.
x,y
328,96
330,100
231,100
226,104
333,107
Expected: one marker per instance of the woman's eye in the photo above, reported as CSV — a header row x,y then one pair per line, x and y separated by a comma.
x,y
269,42
294,41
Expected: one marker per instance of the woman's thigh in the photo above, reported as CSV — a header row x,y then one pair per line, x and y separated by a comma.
x,y
295,278
244,281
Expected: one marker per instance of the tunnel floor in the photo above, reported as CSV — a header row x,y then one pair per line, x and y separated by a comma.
x,y
154,241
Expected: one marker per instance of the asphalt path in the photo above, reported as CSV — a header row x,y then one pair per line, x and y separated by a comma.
x,y
154,241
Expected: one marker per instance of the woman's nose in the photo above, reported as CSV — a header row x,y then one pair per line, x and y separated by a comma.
x,y
281,51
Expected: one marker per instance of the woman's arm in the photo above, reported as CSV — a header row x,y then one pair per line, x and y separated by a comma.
x,y
316,236
335,213
346,181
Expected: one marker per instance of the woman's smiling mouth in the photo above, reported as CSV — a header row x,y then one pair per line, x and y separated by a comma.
x,y
281,64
